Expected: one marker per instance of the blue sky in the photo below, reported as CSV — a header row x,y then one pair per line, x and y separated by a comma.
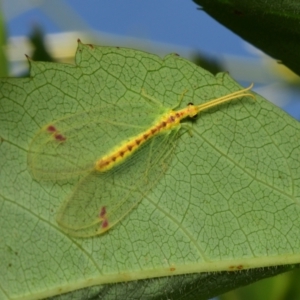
x,y
177,22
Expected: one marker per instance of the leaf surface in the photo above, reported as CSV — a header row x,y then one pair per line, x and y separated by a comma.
x,y
228,200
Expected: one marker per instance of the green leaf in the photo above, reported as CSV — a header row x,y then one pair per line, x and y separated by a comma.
x,y
228,201
272,26
285,286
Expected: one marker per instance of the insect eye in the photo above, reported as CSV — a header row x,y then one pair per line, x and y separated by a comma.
x,y
192,104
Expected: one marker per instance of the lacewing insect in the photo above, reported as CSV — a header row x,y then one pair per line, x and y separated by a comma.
x,y
122,153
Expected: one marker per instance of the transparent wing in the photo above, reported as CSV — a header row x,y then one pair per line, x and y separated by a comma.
x,y
101,200
70,146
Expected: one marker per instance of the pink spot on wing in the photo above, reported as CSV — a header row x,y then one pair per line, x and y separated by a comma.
x,y
104,224
51,129
102,212
55,133
59,137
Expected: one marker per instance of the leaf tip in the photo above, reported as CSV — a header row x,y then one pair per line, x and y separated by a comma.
x,y
28,58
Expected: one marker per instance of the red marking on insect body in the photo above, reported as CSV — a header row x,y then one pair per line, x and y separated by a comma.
x,y
129,147
153,130
145,136
171,119
102,163
137,142
121,153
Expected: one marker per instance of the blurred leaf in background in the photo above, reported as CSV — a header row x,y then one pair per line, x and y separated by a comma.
x,y
283,287
40,52
209,63
3,60
272,26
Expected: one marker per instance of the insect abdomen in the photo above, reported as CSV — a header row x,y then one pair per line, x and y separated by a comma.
x,y
167,122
